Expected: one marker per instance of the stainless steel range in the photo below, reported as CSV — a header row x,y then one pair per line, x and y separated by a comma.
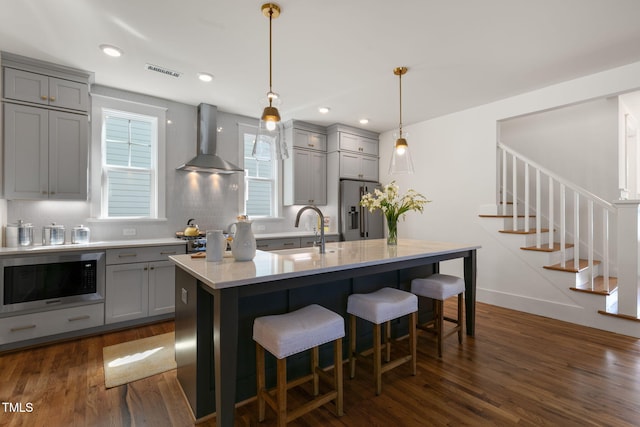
x,y
194,243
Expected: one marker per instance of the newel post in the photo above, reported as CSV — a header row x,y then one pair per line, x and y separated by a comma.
x,y
628,238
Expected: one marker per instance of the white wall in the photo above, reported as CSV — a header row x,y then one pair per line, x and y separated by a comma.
x,y
455,162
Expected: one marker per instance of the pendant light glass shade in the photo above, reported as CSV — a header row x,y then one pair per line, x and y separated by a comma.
x,y
269,143
401,157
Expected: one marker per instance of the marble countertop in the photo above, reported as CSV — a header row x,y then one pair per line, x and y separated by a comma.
x,y
289,263
92,246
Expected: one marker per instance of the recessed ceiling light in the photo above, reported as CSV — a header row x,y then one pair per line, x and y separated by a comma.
x,y
205,77
110,50
324,110
364,121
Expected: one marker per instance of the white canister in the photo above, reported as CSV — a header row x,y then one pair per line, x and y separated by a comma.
x,y
216,245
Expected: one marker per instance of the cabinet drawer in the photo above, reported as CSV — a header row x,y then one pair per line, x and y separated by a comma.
x,y
143,254
35,325
277,244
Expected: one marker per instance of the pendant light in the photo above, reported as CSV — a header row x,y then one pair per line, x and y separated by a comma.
x,y
269,143
401,157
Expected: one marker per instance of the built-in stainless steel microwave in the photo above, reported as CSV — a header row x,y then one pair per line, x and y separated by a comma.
x,y
29,283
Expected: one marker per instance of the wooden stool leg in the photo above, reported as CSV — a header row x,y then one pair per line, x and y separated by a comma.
x,y
352,346
387,340
460,317
377,357
314,370
281,391
439,322
261,380
337,375
413,319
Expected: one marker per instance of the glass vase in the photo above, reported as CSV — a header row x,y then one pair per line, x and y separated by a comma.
x,y
392,237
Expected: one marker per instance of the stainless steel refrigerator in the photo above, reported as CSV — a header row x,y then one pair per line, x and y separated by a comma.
x,y
356,222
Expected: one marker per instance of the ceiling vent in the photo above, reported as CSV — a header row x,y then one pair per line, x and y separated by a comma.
x,y
162,70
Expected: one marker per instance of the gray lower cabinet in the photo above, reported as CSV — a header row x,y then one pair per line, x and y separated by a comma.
x,y
41,324
139,282
277,244
46,153
292,242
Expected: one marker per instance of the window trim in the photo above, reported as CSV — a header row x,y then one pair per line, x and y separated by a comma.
x,y
276,203
101,106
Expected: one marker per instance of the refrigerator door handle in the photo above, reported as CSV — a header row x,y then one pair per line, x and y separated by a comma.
x,y
362,191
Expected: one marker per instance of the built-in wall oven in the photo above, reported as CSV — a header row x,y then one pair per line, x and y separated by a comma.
x,y
29,283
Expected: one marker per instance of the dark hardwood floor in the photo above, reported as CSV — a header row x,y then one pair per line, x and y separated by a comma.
x,y
519,370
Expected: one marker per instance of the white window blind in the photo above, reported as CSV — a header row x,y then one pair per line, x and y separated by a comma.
x,y
260,179
129,165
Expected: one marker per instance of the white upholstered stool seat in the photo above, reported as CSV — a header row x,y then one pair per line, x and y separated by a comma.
x,y
380,307
440,287
287,334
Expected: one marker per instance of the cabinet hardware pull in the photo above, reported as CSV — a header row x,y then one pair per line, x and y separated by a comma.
x,y
127,255
168,253
43,97
287,244
152,268
22,328
262,246
73,319
310,145
146,268
52,98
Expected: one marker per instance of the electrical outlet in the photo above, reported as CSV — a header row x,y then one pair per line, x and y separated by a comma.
x,y
128,231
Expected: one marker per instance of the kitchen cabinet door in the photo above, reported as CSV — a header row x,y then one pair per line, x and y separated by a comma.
x,y
161,287
309,140
46,154
68,156
305,179
127,292
26,149
41,89
357,166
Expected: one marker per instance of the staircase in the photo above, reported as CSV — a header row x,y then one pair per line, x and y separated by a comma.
x,y
561,230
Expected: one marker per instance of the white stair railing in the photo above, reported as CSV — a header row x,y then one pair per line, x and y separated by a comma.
x,y
586,207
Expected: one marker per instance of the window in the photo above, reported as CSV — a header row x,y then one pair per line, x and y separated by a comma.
x,y
127,160
261,183
129,146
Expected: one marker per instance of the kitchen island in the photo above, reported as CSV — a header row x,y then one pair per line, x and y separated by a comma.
x,y
217,302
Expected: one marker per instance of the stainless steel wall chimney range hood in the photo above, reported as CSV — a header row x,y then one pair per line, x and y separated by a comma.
x,y
206,159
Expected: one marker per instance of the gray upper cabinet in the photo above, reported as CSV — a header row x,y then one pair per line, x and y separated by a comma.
x,y
46,129
355,150
305,171
45,153
37,88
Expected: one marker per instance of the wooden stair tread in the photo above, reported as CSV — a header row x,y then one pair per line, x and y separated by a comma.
x,y
503,216
598,286
569,267
531,231
545,247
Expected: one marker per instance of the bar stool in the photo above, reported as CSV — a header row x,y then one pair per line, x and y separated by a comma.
x,y
380,307
439,287
291,333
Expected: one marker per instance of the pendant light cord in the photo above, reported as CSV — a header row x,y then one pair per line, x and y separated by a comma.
x,y
270,66
400,77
